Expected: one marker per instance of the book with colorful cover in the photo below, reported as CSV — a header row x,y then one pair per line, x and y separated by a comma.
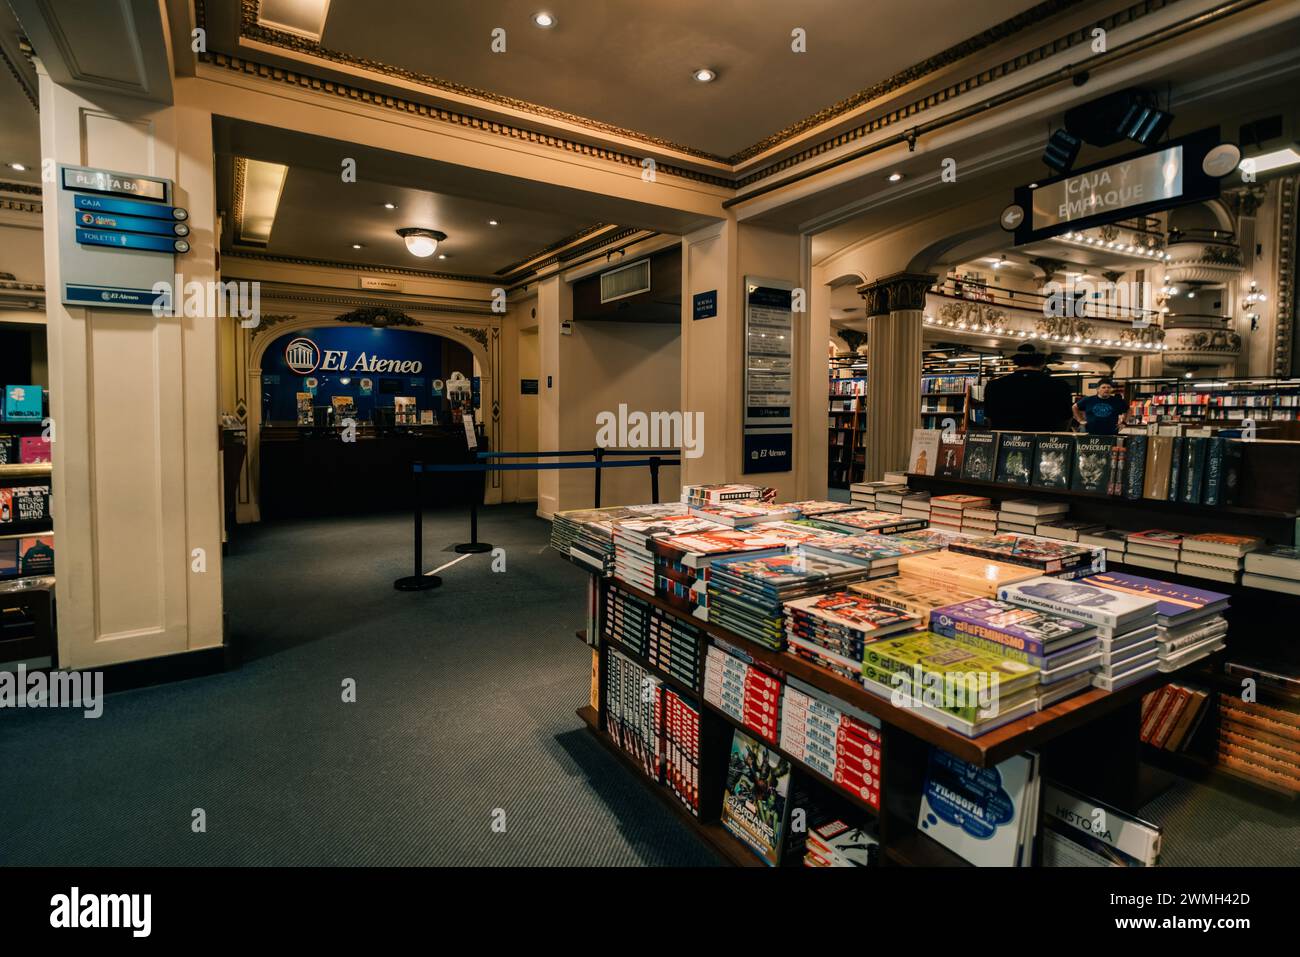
x,y
925,654
883,523
693,546
951,457
1091,603
868,550
1011,626
814,507
1159,537
969,573
779,573
1049,555
1174,602
754,805
857,614
1093,455
938,537
744,514
914,597
924,457
959,502
980,814
1234,546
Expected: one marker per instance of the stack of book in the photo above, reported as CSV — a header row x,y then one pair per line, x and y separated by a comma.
x,y
746,595
1189,620
836,843
723,494
987,816
878,523
1126,624
950,683
938,537
1048,556
673,646
949,569
863,494
833,738
1065,651
832,630
634,560
917,598
682,749
878,554
1171,715
634,710
1068,531
744,514
948,511
982,520
1219,558
1113,540
682,562
1153,548
1023,515
1275,567
586,535
817,507
627,621
916,505
735,685
1260,742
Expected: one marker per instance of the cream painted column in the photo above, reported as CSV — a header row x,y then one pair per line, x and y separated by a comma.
x,y
135,403
894,306
718,258
554,307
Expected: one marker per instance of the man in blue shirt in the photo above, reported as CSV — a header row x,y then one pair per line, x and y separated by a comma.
x,y
1102,414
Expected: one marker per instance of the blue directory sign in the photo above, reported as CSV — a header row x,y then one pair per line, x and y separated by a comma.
x,y
119,234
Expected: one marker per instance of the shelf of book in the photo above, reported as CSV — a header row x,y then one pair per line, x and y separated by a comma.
x,y
712,833
986,750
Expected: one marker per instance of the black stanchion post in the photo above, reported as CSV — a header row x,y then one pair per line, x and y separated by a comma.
x,y
474,546
418,581
654,479
600,457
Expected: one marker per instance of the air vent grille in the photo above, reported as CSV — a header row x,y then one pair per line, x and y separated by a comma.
x,y
629,280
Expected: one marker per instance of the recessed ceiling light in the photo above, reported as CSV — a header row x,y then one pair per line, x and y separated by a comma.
x,y
18,167
544,20
390,205
705,75
1033,186
895,177
356,245
493,222
442,255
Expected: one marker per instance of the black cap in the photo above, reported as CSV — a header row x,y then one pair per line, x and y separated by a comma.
x,y
1028,355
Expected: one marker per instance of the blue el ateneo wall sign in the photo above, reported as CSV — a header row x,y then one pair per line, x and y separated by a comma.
x,y
119,234
369,365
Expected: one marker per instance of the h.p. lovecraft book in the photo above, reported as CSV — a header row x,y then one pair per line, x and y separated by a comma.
x,y
924,458
1015,458
754,806
951,457
1054,461
981,456
1093,456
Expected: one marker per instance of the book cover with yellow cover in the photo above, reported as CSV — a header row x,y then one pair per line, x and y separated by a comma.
x,y
933,661
981,577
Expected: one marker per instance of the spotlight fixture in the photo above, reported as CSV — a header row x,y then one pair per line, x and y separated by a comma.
x,y
705,75
895,177
421,242
1062,150
1143,123
390,205
544,20
18,167
442,255
356,245
493,222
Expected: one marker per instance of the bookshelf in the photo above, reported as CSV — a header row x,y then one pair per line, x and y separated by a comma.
x,y
847,421
1090,728
26,599
1225,403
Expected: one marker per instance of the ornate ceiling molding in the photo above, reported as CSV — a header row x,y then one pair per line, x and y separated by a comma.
x,y
377,317
1003,31
554,247
358,267
319,296
20,79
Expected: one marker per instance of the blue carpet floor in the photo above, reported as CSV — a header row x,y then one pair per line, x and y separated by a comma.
x,y
464,715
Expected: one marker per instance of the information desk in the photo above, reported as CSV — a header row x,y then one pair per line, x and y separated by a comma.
x,y
312,471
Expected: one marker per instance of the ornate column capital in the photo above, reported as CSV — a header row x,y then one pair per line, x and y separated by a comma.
x,y
902,290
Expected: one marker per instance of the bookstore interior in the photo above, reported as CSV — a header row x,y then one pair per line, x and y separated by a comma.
x,y
284,309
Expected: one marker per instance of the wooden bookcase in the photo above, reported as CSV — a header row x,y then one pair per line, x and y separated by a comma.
x,y
1088,741
32,597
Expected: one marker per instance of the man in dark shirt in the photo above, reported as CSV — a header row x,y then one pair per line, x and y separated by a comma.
x,y
1103,413
1029,399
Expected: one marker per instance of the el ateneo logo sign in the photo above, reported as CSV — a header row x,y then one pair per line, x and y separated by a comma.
x,y
304,357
